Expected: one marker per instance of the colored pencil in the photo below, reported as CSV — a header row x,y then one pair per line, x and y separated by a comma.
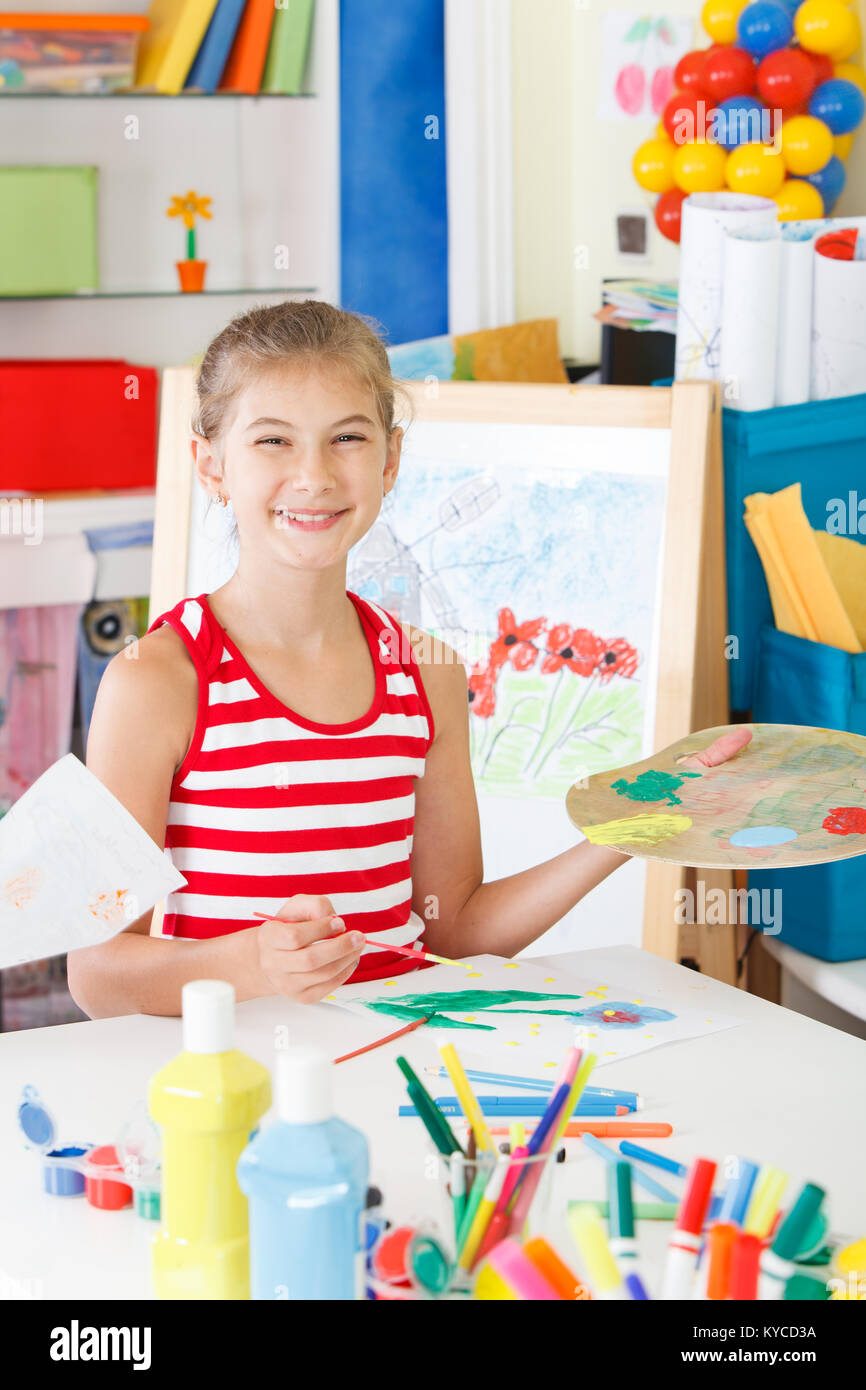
x,y
610,1129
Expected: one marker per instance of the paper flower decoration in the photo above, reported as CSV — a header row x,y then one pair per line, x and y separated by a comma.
x,y
189,206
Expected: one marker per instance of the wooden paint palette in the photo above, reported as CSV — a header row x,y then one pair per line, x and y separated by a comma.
x,y
793,796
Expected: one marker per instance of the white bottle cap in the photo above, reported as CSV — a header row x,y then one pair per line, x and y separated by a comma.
x,y
304,1090
208,1016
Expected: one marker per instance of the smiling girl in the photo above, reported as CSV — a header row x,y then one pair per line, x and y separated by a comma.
x,y
282,737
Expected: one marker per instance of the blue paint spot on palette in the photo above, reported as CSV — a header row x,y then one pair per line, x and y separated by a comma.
x,y
759,836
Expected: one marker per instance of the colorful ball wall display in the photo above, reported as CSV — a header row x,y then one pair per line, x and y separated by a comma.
x,y
839,104
807,145
798,201
763,27
770,107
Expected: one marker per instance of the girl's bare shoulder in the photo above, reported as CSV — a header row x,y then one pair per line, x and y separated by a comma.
x,y
152,687
444,674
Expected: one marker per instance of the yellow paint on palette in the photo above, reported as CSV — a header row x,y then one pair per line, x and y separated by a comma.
x,y
609,1013
646,829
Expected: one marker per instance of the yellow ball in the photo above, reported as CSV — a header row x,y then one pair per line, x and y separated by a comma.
x,y
851,43
653,165
824,26
798,200
842,145
661,132
699,167
719,18
851,72
755,168
807,144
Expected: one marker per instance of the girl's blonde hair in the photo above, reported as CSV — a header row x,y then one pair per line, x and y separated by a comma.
x,y
295,333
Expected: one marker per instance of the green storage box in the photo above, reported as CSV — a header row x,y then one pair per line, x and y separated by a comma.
x,y
48,229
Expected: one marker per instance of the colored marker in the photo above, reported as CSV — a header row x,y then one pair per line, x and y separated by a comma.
x,y
467,1099
685,1242
414,954
526,1191
432,1118
745,1261
720,1249
777,1263
517,1271
611,1129
635,1286
473,1202
530,1083
498,1228
669,1165
587,1232
738,1193
555,1271
524,1107
620,1222
458,1190
764,1206
638,1178
644,1211
486,1208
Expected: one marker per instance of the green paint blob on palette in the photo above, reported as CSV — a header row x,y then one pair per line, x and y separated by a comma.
x,y
792,796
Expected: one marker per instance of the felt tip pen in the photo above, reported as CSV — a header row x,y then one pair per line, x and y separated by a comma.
x,y
530,1083
764,1206
481,1220
638,1178
620,1221
685,1242
745,1263
669,1165
635,1286
517,1271
524,1108
738,1192
720,1249
458,1189
777,1263
467,1101
611,1129
499,1221
644,1211
588,1235
435,1122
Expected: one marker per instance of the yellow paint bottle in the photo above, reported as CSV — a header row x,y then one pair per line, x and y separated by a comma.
x,y
207,1102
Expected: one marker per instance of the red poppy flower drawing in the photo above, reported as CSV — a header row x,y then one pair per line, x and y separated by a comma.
x,y
515,641
618,659
575,647
566,652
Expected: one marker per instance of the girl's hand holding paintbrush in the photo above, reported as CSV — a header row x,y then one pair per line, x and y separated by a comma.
x,y
308,952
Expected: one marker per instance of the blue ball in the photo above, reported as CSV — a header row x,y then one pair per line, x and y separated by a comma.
x,y
763,27
839,104
739,121
829,181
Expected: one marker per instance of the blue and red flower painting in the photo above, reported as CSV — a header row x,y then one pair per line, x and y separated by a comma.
x,y
616,1014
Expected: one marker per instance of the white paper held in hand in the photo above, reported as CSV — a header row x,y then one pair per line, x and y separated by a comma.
x,y
75,866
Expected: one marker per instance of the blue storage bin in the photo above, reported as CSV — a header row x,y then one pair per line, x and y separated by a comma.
x,y
822,446
800,682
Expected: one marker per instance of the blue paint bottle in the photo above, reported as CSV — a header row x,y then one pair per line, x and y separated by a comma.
x,y
306,1180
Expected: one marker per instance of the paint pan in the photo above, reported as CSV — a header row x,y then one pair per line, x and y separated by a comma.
x,y
104,1184
61,1164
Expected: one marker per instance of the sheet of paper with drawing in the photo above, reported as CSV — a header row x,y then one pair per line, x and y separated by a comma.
x,y
75,866
521,1013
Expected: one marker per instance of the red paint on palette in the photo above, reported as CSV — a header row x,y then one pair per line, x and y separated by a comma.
x,y
845,820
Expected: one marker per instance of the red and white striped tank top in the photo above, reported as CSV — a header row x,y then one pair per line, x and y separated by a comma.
x,y
267,803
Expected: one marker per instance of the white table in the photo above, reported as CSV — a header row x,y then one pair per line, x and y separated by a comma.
x,y
780,1088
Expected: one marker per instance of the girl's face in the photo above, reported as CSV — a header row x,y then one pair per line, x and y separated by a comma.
x,y
306,463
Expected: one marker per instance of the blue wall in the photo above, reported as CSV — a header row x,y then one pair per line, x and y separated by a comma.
x,y
393,181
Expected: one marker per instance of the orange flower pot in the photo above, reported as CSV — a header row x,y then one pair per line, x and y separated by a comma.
x,y
191,275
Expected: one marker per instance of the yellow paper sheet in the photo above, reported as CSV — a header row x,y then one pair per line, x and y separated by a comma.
x,y
515,352
806,602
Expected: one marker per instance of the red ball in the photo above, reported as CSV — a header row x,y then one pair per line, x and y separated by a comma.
x,y
785,78
728,72
687,72
686,117
668,213
821,63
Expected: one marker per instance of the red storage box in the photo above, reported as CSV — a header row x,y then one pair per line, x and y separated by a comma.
x,y
76,424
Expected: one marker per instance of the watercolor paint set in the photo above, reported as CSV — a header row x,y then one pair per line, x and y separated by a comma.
x,y
109,1176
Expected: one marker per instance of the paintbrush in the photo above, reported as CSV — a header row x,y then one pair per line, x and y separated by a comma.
x,y
398,950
